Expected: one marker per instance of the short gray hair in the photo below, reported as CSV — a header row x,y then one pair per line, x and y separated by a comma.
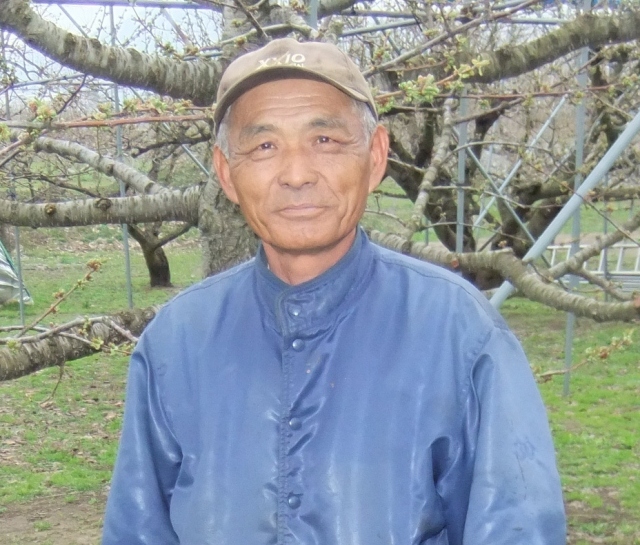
x,y
367,121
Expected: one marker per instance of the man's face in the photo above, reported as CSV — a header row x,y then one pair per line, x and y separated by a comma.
x,y
300,165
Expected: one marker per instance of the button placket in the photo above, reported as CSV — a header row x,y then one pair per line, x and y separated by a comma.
x,y
298,348
285,489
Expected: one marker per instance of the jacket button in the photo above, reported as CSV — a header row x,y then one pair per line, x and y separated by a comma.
x,y
295,423
293,501
294,310
298,345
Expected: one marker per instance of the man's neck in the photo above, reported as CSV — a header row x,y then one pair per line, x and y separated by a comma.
x,y
297,268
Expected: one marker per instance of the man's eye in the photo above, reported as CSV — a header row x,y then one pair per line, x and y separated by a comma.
x,y
324,139
265,146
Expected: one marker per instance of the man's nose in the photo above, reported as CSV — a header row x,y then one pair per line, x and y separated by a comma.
x,y
297,168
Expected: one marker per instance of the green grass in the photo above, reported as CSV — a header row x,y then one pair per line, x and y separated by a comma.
x,y
68,443
596,426
391,206
592,218
65,446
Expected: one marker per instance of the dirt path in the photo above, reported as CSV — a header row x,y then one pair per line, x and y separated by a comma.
x,y
53,521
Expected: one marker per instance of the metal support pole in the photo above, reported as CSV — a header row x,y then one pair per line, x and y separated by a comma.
x,y
119,157
605,251
462,165
313,14
581,114
592,180
380,27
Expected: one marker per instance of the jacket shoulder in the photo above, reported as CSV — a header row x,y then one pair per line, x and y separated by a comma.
x,y
440,281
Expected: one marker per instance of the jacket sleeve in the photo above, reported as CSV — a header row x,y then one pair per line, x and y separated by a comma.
x,y
515,496
147,464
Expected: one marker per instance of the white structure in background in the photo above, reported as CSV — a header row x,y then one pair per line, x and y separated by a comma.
x,y
9,281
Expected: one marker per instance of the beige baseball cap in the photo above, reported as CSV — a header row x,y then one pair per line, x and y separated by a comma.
x,y
287,57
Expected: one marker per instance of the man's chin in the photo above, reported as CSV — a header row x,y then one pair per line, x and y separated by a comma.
x,y
312,245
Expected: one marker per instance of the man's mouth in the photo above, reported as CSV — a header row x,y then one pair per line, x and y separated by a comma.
x,y
306,209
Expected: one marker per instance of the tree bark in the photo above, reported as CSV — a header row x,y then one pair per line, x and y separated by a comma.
x,y
195,80
166,206
31,357
154,257
532,285
226,238
586,30
120,171
198,80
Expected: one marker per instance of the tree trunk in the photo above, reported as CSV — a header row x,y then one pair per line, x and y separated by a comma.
x,y
226,237
154,256
158,266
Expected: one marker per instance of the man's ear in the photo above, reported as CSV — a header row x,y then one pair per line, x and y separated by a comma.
x,y
221,164
379,150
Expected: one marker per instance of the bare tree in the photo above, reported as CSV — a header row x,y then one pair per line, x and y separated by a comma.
x,y
425,61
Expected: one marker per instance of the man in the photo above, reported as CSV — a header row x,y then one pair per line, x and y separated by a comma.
x,y
328,392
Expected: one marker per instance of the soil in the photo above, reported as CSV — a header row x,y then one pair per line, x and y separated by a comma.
x,y
57,521
53,521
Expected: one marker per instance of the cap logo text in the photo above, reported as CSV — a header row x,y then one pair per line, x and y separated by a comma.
x,y
297,59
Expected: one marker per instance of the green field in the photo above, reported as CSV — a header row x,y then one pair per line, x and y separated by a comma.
x,y
63,448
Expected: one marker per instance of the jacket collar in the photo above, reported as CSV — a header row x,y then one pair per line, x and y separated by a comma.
x,y
310,307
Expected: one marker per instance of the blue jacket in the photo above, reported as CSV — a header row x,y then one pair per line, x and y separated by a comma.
x,y
384,402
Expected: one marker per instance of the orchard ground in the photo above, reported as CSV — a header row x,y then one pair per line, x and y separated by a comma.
x,y
56,453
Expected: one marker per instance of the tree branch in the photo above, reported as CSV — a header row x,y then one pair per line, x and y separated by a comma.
x,y
178,232
331,7
512,269
441,148
30,357
195,80
120,171
586,30
582,256
174,205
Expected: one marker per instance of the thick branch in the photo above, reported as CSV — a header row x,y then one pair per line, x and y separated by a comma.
x,y
31,357
176,233
530,284
586,30
120,171
441,149
166,206
331,7
195,80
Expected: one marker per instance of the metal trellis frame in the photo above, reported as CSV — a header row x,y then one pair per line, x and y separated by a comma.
x,y
407,19
576,200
